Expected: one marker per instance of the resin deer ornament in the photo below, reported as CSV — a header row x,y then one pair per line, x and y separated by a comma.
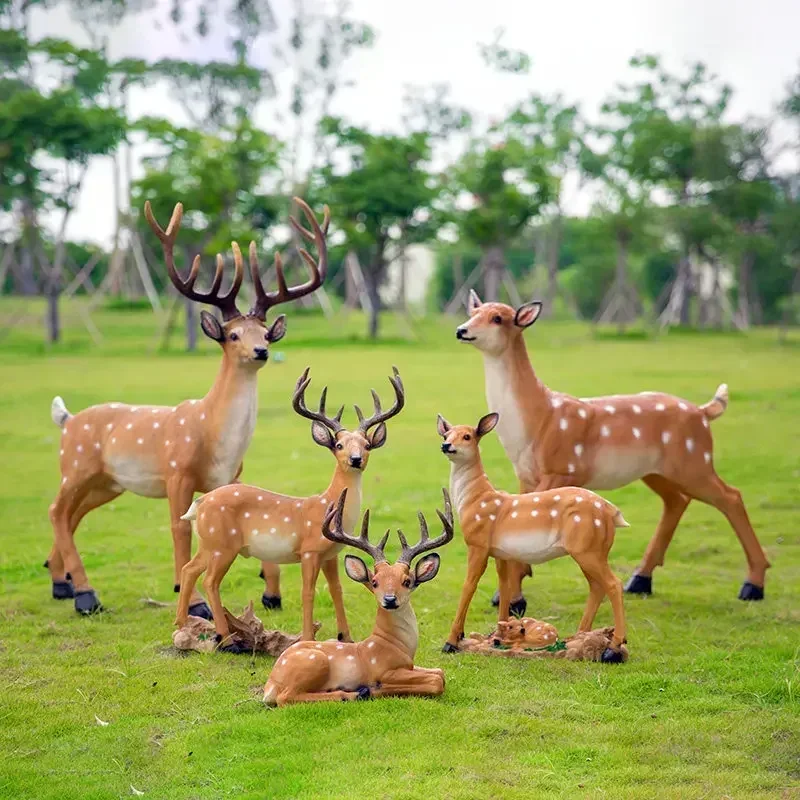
x,y
530,529
383,664
245,520
554,439
173,452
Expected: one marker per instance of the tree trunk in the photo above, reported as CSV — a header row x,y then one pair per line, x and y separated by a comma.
x,y
622,279
53,321
372,280
493,273
743,311
553,254
26,277
191,325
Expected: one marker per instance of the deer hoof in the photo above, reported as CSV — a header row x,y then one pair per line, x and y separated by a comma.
x,y
201,610
639,584
363,693
87,602
62,590
496,598
449,648
611,656
518,607
233,646
750,591
272,602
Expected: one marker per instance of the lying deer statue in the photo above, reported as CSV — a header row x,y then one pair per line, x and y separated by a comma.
x,y
245,520
553,440
383,664
530,529
173,452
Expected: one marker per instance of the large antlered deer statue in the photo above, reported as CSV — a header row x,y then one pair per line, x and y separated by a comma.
x,y
173,452
554,440
245,520
382,664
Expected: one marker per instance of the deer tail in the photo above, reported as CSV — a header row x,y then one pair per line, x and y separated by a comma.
x,y
192,512
619,520
58,412
716,407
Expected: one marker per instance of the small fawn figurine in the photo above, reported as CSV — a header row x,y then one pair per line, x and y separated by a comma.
x,y
530,529
279,529
383,664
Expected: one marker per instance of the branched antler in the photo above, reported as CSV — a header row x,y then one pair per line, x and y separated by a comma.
x,y
332,530
379,415
425,544
299,405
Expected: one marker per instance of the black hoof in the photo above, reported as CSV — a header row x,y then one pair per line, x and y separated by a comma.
x,y
232,646
496,598
363,693
449,648
750,591
340,636
639,584
201,610
271,602
87,602
176,588
518,607
261,574
62,590
496,643
611,656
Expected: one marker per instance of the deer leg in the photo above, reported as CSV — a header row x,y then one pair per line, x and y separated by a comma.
x,y
503,568
287,698
271,599
331,570
714,491
180,491
189,575
477,560
409,681
216,569
310,569
675,504
596,595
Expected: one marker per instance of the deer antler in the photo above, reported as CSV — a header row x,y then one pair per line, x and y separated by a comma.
x,y
332,530
425,544
299,405
227,303
379,415
266,300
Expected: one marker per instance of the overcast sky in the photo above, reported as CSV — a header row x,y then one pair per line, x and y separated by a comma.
x,y
579,48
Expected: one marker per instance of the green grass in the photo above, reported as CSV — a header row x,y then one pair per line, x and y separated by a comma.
x,y
707,707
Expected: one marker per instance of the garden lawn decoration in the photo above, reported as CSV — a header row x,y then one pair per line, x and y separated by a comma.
x,y
383,664
173,452
530,528
245,520
556,440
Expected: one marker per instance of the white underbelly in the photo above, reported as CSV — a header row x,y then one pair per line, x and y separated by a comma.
x,y
530,547
139,475
273,547
614,467
345,672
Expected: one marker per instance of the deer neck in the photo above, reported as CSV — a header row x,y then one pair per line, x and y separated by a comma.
x,y
517,395
468,481
231,406
398,628
349,479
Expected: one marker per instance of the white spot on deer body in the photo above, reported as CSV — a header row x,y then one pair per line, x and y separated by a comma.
x,y
233,531
330,658
577,518
483,505
705,421
610,409
80,448
75,463
188,438
513,514
181,421
308,524
63,481
598,504
203,415
211,530
97,445
61,452
370,644
128,426
477,518
351,658
682,406
373,661
340,647
515,503
605,431
492,517
298,505
109,426
534,513
193,402
173,464
498,502
563,424
556,402
557,498
536,498
660,406
86,427
114,405
113,440
689,445
637,433
286,519
246,513
636,409
166,443
306,555
582,413
554,513
665,437
322,500
156,425
266,516
578,450
707,457
312,655
570,468
272,530
236,493
597,523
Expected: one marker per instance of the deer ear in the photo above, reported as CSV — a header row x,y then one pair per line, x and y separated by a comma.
x,y
277,330
321,435
487,424
527,314
442,425
426,568
378,437
356,569
212,327
474,302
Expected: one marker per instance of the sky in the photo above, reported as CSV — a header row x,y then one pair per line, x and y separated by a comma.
x,y
579,49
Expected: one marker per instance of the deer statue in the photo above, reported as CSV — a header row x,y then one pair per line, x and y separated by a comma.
x,y
383,664
173,452
245,520
555,440
530,529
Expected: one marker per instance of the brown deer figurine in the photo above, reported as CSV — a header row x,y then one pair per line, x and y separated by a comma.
x,y
529,529
245,520
554,440
173,452
383,664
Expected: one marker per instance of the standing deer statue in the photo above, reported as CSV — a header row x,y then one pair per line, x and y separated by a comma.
x,y
173,452
528,528
245,520
554,440
383,664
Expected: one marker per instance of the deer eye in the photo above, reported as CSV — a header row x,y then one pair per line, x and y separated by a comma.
x,y
374,584
407,582
467,437
234,337
497,319
368,446
266,337
339,446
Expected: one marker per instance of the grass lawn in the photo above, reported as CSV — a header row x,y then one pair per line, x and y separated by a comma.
x,y
708,705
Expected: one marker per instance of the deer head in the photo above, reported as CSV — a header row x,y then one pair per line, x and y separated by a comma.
x,y
245,338
493,326
391,584
350,448
461,441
